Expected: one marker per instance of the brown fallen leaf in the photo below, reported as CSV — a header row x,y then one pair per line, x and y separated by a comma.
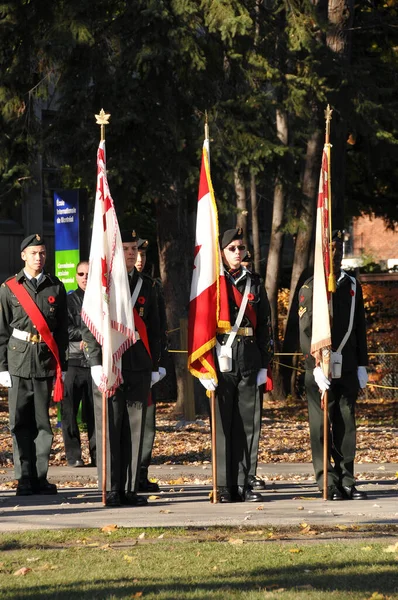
x,y
22,571
109,528
235,541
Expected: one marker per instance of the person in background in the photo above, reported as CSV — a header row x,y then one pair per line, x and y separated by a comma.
x,y
33,350
127,408
145,485
348,322
78,380
242,362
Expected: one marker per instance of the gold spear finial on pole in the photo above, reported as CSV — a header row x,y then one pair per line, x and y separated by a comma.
x,y
328,117
206,126
102,119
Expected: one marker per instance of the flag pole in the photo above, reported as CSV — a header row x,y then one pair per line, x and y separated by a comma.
x,y
212,394
102,120
331,288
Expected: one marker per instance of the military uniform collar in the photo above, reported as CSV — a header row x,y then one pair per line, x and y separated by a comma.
x,y
241,276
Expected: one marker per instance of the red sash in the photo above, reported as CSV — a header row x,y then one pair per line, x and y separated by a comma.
x,y
141,328
36,316
237,297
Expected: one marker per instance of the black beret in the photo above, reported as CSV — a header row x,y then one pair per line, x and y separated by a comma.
x,y
33,240
142,244
128,236
247,257
228,236
338,234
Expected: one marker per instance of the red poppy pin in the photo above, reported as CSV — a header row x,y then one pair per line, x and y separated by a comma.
x,y
250,297
51,299
141,300
352,292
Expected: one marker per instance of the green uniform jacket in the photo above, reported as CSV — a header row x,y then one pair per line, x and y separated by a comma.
x,y
26,359
355,350
252,352
136,357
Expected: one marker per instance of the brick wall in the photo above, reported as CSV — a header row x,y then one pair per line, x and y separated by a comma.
x,y
371,237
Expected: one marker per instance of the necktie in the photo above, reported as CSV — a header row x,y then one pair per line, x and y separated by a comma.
x,y
33,281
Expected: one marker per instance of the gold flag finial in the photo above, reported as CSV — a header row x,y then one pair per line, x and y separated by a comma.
x,y
102,119
328,118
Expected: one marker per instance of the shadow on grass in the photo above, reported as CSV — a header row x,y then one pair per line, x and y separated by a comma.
x,y
337,576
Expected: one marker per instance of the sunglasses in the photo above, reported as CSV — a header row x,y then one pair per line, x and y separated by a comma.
x,y
235,248
82,274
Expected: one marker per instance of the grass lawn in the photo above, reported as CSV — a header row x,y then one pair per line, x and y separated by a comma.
x,y
187,564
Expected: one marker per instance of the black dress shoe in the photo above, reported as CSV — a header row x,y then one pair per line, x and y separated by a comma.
x,y
44,487
245,494
112,499
76,463
148,486
132,499
256,483
351,493
224,495
24,488
334,493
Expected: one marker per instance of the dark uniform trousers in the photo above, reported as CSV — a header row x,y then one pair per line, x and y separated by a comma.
x,y
126,412
237,429
342,396
77,388
148,441
29,401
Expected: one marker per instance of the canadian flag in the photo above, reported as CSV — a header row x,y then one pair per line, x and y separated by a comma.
x,y
107,309
321,341
208,307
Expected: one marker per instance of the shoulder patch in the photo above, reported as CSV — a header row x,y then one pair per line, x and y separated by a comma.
x,y
302,311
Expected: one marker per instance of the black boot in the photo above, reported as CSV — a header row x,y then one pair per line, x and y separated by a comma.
x,y
255,483
245,494
224,495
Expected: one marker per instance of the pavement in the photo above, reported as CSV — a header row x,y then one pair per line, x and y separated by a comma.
x,y
291,498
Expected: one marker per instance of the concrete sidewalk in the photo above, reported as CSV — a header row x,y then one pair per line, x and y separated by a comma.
x,y
291,498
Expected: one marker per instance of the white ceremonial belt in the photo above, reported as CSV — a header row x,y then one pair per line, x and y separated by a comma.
x,y
35,338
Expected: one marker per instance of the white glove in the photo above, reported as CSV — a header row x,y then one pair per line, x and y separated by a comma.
x,y
322,381
63,375
362,377
261,377
96,374
155,377
5,379
209,384
162,373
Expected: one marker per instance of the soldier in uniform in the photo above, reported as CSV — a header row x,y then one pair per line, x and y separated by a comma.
x,y
145,485
239,396
127,408
78,380
342,391
33,349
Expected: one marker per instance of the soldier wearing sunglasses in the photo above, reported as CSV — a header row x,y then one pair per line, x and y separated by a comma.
x,y
78,381
240,383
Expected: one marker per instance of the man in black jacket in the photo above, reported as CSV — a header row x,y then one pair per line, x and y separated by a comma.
x,y
127,408
78,380
145,485
348,322
28,364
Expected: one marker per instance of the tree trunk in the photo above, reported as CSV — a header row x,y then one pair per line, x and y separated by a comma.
x,y
275,249
255,228
174,264
302,251
338,40
241,204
